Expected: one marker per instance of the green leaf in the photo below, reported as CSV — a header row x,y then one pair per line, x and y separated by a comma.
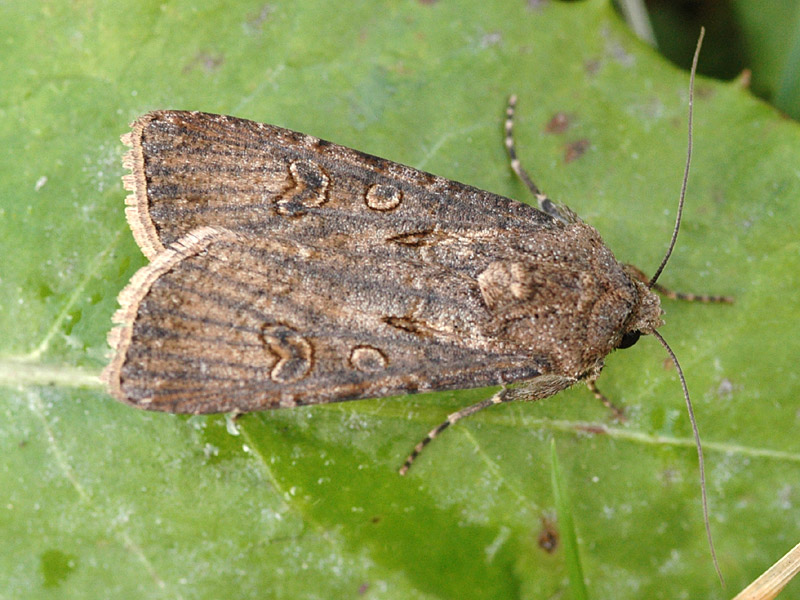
x,y
306,503
563,502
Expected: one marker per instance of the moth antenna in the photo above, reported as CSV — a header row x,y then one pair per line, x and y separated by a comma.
x,y
663,264
700,461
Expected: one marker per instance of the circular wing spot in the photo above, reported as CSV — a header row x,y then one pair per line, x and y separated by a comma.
x,y
292,352
383,197
368,359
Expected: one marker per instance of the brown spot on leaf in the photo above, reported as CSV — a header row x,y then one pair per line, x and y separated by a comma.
x,y
575,150
548,536
558,123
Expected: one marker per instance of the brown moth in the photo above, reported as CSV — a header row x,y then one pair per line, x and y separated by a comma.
x,y
287,270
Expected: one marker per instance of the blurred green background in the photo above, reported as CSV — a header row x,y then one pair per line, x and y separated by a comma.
x,y
762,38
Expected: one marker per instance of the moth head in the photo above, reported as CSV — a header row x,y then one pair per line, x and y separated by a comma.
x,y
644,318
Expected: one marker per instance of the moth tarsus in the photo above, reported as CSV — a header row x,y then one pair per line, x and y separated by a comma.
x,y
500,397
617,411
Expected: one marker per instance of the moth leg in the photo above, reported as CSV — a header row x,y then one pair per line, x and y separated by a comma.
x,y
512,152
673,295
619,413
562,213
503,395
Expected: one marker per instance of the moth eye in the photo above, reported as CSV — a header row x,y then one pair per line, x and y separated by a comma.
x,y
629,339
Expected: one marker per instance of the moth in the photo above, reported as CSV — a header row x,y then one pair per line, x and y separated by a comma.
x,y
287,270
